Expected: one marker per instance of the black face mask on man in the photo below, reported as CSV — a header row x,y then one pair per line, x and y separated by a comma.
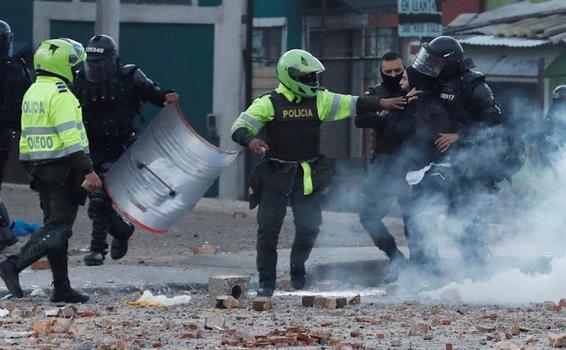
x,y
392,83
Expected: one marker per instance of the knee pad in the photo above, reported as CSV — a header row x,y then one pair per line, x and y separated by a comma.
x,y
99,205
56,238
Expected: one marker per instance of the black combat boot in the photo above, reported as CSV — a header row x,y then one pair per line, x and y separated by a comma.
x,y
94,258
63,293
7,238
266,289
297,273
98,246
10,275
121,232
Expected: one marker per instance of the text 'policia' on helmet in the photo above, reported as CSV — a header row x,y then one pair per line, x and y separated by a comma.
x,y
59,57
6,38
102,58
440,53
298,70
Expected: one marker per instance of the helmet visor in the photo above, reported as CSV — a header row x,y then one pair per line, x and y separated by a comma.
x,y
428,64
100,70
310,79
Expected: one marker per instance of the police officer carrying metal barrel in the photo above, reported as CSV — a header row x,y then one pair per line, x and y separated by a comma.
x,y
14,81
54,151
111,95
293,169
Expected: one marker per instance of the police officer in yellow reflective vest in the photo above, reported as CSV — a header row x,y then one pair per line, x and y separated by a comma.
x,y
54,151
293,169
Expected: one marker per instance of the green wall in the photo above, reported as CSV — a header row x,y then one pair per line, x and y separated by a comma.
x,y
177,56
293,10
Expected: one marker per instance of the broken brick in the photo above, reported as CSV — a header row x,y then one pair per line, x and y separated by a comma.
x,y
42,264
485,328
227,302
446,322
325,303
557,340
261,304
308,300
43,326
356,300
286,285
448,346
549,305
61,325
205,249
355,334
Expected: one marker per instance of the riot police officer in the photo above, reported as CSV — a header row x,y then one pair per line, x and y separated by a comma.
x,y
385,181
14,81
54,150
486,150
111,95
294,170
553,133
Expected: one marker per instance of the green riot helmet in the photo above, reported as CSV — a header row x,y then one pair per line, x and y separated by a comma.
x,y
59,57
298,70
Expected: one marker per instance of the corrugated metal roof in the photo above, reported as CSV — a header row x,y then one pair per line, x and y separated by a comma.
x,y
532,24
490,40
516,65
519,9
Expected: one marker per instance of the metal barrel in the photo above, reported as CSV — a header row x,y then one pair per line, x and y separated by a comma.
x,y
165,172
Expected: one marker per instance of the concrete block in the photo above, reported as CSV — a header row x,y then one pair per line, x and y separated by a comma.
x,y
235,286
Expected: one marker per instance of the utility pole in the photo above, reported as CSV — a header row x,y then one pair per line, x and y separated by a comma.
x,y
108,18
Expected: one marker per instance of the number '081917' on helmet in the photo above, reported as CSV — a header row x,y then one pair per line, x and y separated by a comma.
x,y
298,70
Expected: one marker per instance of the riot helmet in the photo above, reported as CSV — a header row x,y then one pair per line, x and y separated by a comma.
x,y
557,110
6,39
299,71
101,58
442,57
59,57
559,94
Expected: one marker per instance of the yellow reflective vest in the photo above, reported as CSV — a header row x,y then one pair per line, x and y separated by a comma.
x,y
52,122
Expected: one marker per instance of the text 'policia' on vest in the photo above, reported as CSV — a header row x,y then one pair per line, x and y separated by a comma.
x,y
294,170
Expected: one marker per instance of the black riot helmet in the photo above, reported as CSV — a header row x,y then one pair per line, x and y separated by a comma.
x,y
6,39
559,94
101,58
443,57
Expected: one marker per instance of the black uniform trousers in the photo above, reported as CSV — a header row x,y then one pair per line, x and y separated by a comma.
x,y
271,212
6,137
432,197
105,220
384,184
59,203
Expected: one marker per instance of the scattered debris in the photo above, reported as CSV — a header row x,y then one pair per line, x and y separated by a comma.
x,y
485,328
38,292
261,304
356,300
205,249
41,264
148,299
557,340
227,302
